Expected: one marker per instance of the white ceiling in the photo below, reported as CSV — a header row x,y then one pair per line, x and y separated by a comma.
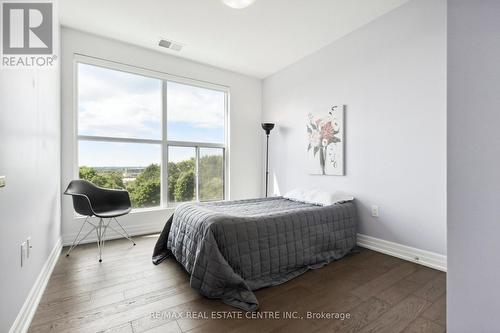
x,y
258,41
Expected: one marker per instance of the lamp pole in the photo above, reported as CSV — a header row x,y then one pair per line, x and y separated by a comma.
x,y
267,127
267,162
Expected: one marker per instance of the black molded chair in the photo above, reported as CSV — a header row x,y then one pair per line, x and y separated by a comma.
x,y
93,201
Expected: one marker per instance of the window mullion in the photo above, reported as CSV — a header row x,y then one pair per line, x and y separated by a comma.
x,y
197,173
116,139
224,174
164,148
196,144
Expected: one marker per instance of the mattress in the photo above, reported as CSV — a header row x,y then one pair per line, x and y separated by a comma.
x,y
232,248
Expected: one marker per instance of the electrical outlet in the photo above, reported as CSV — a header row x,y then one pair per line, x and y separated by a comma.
x,y
2,181
23,253
375,212
29,246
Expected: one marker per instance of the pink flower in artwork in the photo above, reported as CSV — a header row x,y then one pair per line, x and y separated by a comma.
x,y
322,132
327,131
314,139
335,125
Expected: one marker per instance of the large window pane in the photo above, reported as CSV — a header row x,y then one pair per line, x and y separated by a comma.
x,y
195,114
211,174
129,108
135,167
181,174
118,104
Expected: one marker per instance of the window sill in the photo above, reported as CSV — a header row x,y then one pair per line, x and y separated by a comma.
x,y
169,208
150,209
138,211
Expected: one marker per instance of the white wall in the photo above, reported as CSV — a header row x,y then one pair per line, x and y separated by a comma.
x,y
391,74
473,166
30,158
245,115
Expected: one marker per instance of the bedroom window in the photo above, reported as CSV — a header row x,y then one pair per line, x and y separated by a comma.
x,y
132,123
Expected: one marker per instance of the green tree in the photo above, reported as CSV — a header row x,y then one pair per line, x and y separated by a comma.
x,y
145,190
212,189
186,165
145,193
184,187
87,173
211,177
151,172
173,175
106,180
175,170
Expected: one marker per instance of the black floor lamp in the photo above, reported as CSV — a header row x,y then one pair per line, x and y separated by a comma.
x,y
267,127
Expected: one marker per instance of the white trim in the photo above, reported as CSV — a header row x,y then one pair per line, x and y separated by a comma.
x,y
422,257
195,144
25,315
152,73
151,141
197,173
117,139
133,230
227,150
164,146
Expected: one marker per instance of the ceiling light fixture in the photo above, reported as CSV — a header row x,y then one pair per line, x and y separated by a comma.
x,y
238,4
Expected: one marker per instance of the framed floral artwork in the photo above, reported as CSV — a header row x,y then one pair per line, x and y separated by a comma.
x,y
325,146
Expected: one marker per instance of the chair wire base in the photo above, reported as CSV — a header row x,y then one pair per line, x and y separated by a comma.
x,y
100,228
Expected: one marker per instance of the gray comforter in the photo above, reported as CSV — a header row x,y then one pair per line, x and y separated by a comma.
x,y
234,247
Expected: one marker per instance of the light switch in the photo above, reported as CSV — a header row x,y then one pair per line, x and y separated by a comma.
x,y
2,181
23,253
29,246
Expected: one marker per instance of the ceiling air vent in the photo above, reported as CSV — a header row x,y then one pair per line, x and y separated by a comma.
x,y
170,44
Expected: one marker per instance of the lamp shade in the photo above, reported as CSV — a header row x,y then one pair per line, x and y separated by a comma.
x,y
238,4
267,127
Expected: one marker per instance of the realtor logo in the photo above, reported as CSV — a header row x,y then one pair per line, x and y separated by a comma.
x,y
27,28
27,34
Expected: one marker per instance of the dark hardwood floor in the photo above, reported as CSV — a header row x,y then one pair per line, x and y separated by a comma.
x,y
127,293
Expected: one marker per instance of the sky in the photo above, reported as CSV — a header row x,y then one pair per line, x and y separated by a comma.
x,y
118,104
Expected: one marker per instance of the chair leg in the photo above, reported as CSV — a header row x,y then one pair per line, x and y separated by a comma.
x,y
103,236
100,230
124,233
98,233
75,242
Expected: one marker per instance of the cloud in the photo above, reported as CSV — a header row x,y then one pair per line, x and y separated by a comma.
x,y
113,103
113,154
134,116
200,107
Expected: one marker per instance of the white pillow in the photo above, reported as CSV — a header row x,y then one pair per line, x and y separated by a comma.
x,y
318,197
297,194
339,197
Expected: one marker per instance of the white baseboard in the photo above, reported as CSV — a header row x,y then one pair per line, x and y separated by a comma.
x,y
426,258
25,315
133,230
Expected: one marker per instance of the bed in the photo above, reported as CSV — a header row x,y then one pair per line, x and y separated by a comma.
x,y
232,248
